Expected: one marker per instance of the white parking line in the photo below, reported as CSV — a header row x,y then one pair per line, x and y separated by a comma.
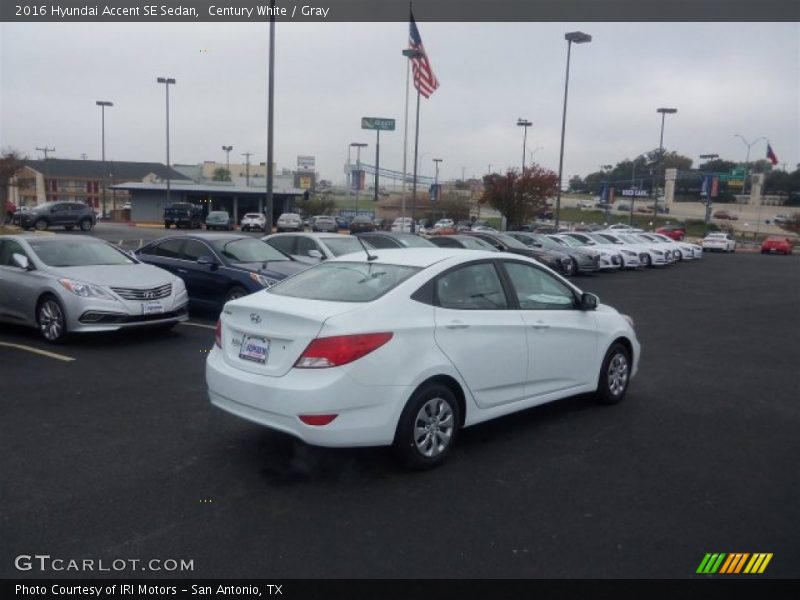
x,y
37,351
199,325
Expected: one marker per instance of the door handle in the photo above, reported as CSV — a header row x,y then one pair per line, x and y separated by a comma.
x,y
182,271
540,325
457,325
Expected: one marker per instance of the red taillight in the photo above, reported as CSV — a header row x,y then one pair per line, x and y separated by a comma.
x,y
317,420
340,349
218,334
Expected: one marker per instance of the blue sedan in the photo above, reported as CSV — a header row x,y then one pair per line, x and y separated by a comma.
x,y
218,267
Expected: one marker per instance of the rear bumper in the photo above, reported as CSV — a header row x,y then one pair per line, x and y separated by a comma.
x,y
366,415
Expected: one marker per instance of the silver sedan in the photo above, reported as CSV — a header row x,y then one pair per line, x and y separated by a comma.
x,y
63,284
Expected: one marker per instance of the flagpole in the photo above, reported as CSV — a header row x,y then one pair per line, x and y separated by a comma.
x,y
414,185
405,141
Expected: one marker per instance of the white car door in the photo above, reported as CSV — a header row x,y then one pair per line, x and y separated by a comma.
x,y
562,339
478,331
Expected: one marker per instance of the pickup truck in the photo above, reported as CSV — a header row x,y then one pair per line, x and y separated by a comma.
x,y
183,214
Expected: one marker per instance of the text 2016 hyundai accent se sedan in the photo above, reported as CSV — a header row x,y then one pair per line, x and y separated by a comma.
x,y
405,347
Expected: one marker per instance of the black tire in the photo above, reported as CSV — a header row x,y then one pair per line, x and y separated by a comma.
x,y
648,262
615,375
166,225
432,414
245,228
40,224
678,255
208,228
235,292
571,269
51,320
86,225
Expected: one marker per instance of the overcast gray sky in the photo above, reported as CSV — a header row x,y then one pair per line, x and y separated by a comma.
x,y
724,79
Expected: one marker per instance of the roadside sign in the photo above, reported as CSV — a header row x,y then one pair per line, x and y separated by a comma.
x,y
378,123
635,192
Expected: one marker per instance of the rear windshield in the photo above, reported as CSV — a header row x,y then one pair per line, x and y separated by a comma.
x,y
345,244
344,281
247,250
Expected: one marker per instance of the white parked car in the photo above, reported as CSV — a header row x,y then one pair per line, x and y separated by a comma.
x,y
649,254
444,224
622,228
609,259
719,242
680,250
254,221
402,225
626,257
312,248
408,346
289,222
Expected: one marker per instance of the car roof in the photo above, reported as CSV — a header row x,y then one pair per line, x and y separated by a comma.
x,y
418,257
49,238
310,234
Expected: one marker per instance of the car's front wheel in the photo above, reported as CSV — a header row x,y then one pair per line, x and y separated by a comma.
x,y
614,375
678,255
86,225
428,426
648,262
234,293
570,268
51,320
40,224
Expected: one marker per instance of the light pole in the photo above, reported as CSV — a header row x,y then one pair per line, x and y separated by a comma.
x,y
436,178
708,200
358,146
227,150
247,156
747,160
102,104
411,54
664,112
167,81
577,37
524,123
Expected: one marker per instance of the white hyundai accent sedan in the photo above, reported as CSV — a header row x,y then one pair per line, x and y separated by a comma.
x,y
404,347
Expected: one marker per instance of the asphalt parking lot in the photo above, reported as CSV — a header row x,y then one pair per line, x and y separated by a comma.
x,y
118,454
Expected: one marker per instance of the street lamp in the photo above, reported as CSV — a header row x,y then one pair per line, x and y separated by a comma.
x,y
577,37
708,200
227,150
664,112
102,104
167,81
747,160
524,123
358,146
436,177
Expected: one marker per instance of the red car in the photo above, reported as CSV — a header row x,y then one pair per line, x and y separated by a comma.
x,y
777,245
675,233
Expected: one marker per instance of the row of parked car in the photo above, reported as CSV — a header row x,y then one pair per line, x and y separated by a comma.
x,y
388,340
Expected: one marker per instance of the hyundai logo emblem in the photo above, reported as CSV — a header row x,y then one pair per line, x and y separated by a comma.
x,y
149,294
255,318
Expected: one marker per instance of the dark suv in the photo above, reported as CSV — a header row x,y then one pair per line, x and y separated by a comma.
x,y
58,214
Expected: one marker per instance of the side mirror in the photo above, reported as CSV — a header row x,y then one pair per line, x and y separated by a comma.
x,y
22,261
588,301
315,254
207,261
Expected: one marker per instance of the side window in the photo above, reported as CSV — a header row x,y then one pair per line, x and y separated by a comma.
x,y
169,248
7,250
379,242
473,287
537,290
305,244
194,250
60,208
445,242
284,243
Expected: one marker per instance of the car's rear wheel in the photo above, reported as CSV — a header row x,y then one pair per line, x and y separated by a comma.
x,y
614,375
570,268
51,319
40,224
678,255
86,225
428,427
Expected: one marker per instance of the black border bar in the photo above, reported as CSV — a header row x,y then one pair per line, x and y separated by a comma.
x,y
192,11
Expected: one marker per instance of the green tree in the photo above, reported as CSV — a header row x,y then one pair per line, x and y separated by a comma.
x,y
450,205
315,205
221,174
10,164
519,196
576,184
718,165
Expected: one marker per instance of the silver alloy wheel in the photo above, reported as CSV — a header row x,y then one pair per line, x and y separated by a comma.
x,y
617,374
86,225
51,320
234,294
433,427
40,225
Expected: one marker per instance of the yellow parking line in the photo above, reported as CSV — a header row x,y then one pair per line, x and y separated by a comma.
x,y
199,325
37,351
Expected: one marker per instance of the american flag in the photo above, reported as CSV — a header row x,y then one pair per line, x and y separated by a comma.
x,y
771,155
424,79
